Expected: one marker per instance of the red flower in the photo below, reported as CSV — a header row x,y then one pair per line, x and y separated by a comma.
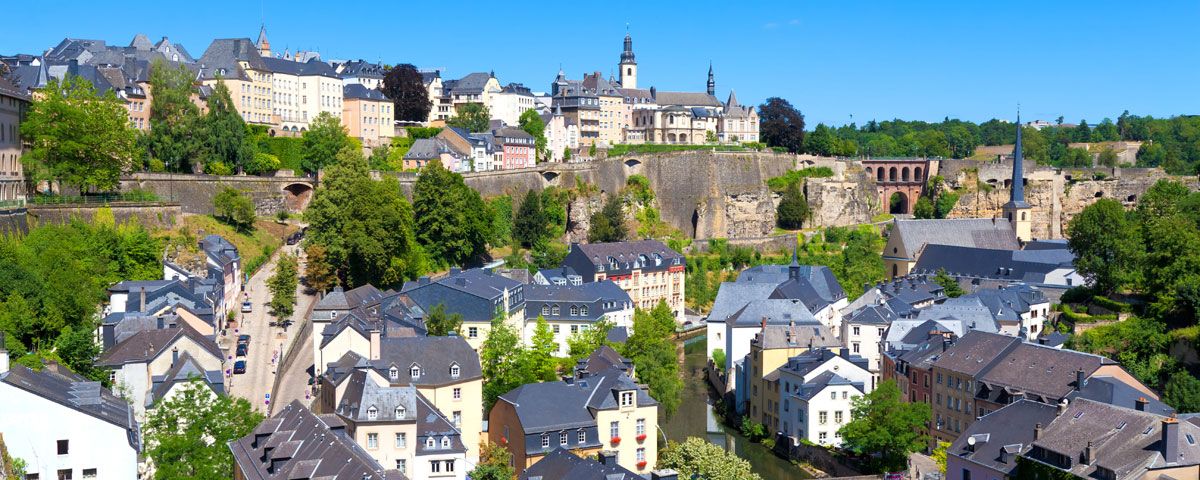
x,y
616,440
641,438
641,464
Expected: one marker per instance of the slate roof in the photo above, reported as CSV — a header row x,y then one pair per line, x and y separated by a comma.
x,y
966,232
976,352
1113,391
1014,265
1035,370
296,444
362,69
434,355
1007,431
808,361
562,464
361,92
601,297
792,336
313,67
472,84
361,395
603,359
61,386
475,293
873,315
432,423
147,345
824,380
184,370
8,89
224,55
907,333
814,285
1126,442
626,255
686,99
554,406
774,311
733,296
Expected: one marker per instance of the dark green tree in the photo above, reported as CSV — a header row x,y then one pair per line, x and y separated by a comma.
x,y
530,224
174,119
406,89
452,224
323,141
440,324
532,124
1083,133
1183,392
821,142
283,285
781,125
923,209
1106,244
473,117
225,142
651,347
793,208
886,427
608,225
953,289
319,274
187,436
234,208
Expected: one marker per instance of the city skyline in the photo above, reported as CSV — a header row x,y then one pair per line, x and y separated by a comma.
x,y
836,63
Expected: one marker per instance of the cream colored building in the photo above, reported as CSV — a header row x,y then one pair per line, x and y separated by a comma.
x,y
771,349
13,104
368,115
135,362
476,87
510,102
237,62
739,123
433,83
595,105
645,269
301,91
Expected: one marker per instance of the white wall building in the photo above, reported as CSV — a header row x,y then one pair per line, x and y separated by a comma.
x,y
817,389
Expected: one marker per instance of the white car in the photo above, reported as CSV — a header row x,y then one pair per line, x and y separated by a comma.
x,y
247,307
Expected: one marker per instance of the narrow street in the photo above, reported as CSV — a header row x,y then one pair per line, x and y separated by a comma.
x,y
266,342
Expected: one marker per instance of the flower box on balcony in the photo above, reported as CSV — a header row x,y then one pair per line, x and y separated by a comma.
x,y
641,465
616,440
641,438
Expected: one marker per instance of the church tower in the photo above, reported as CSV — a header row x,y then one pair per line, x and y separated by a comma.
x,y
712,84
1016,210
628,65
264,46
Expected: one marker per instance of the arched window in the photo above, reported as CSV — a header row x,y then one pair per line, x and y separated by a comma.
x,y
904,174
372,413
917,174
879,174
401,412
894,270
892,174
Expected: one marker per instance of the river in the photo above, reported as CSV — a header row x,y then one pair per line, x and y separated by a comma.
x,y
696,418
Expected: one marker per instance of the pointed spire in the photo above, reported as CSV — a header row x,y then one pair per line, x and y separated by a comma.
x,y
733,101
1018,175
794,268
712,84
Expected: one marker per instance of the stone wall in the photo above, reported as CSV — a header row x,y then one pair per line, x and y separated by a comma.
x,y
150,215
849,200
195,193
13,221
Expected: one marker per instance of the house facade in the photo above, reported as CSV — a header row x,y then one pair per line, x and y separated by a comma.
x,y
13,105
569,309
645,269
368,115
818,391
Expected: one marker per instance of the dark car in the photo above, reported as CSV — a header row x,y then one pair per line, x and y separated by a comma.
x,y
243,339
242,349
239,367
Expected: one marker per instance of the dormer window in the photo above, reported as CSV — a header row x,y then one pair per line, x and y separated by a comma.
x,y
455,371
414,371
627,399
430,442
372,413
583,310
401,412
445,442
394,373
555,310
574,310
545,309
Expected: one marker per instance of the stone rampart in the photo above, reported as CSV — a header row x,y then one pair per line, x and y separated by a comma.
x,y
149,214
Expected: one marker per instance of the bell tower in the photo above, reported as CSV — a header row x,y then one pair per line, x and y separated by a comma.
x,y
1016,210
628,65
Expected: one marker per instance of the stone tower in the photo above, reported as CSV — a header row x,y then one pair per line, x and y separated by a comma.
x,y
712,84
264,46
628,65
1016,210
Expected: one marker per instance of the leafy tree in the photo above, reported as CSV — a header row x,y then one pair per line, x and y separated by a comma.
x,y
953,289
923,209
1083,133
223,132
608,225
719,357
283,286
699,458
939,455
1183,392
582,343
821,142
500,211
567,154
234,208
173,117
451,219
753,430
781,125
529,225
539,357
323,141
473,117
439,324
319,274
366,226
793,208
405,87
187,436
651,347
79,137
639,190
78,349
1077,157
532,124
1106,245
883,424
493,464
262,162
502,360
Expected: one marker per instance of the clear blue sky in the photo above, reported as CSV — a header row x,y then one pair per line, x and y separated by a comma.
x,y
832,59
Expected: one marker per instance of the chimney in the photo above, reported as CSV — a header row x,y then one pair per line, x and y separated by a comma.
x,y
764,323
1088,455
1037,431
374,343
664,474
1062,408
1140,404
1170,439
1080,379
607,458
142,306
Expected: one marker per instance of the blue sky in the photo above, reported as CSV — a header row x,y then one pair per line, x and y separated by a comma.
x,y
834,60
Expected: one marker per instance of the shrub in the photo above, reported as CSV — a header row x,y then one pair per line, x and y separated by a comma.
x,y
1111,304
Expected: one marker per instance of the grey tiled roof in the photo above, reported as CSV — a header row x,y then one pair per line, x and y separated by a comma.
x,y
562,464
472,84
814,285
224,55
362,69
8,89
600,298
686,99
733,296
1113,391
1008,428
774,312
554,406
435,356
361,92
185,369
825,379
313,67
296,443
1013,265
61,386
791,336
589,258
976,352
1036,370
147,345
965,232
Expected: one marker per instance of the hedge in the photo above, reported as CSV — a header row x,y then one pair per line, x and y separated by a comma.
x,y
289,150
1079,317
1111,304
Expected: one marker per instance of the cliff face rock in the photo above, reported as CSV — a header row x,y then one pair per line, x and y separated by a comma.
x,y
750,215
579,217
841,202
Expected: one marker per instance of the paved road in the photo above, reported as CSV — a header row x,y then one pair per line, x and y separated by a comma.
x,y
266,341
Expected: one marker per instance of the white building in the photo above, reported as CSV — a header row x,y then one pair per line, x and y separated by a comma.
x,y
64,426
137,361
302,91
573,308
863,333
510,102
817,390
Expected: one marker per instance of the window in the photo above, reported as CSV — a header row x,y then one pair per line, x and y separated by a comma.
x,y
966,474
545,309
454,371
626,399
583,310
401,412
562,438
822,417
880,332
833,395
641,454
89,473
641,426
545,440
414,372
856,331
555,328
837,416
372,441
456,417
435,466
473,332
582,437
821,437
449,466
401,440
854,347
457,393
445,442
63,447
554,310
845,395
372,413
574,328
614,429
402,465
430,442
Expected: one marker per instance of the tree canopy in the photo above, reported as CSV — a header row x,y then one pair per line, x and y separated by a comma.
x,y
651,347
793,208
698,458
1107,245
608,224
283,286
323,141
188,435
883,424
473,117
405,87
781,125
235,209
450,216
174,119
440,324
226,144
532,124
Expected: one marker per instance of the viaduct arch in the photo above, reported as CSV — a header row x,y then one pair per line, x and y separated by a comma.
x,y
906,176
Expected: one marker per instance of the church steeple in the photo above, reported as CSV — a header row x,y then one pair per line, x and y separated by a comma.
x,y
1017,211
264,46
1018,175
627,69
712,84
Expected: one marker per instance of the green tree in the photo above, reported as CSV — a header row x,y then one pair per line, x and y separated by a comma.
x,y
440,324
539,357
882,424
719,357
366,226
319,274
1106,245
1183,392
1107,158
223,132
451,219
1082,133
502,360
821,141
493,464
793,208
582,343
78,349
532,124
473,117
608,225
953,289
323,142
283,286
781,125
529,225
939,455
500,211
187,436
699,458
923,208
78,136
173,117
651,347
404,85
234,208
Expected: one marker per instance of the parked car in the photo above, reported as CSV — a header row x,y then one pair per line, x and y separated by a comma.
x,y
243,338
239,367
242,349
247,307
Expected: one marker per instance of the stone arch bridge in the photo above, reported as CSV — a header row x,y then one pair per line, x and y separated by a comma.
x,y
905,177
194,193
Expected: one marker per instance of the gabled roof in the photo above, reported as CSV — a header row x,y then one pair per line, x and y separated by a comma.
x,y
976,352
793,336
184,370
994,233
733,296
312,67
434,356
554,406
1013,265
58,385
772,312
359,91
1113,391
1002,435
362,69
147,345
824,380
686,99
472,84
562,464
1033,369
223,55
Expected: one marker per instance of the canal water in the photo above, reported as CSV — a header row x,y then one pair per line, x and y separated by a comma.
x,y
696,418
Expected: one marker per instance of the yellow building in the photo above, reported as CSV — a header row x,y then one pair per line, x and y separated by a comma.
x,y
771,349
368,115
238,63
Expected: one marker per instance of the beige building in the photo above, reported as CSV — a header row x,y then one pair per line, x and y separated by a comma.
x,y
510,102
771,349
13,104
595,105
301,91
368,115
237,62
908,239
438,111
646,269
739,123
477,87
138,363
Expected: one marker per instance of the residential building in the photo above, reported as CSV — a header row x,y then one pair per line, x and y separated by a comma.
x,y
301,91
353,320
517,148
433,82
468,152
908,238
298,444
681,118
588,413
820,387
569,309
1046,268
425,150
444,370
238,63
646,269
743,326
561,463
510,102
13,105
65,426
594,104
142,361
478,87
368,115
361,72
863,334
770,350
560,134
478,294
990,447
739,122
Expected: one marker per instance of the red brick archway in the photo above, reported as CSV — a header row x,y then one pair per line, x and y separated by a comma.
x,y
907,176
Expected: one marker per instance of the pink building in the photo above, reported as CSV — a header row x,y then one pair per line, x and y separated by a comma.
x,y
518,148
